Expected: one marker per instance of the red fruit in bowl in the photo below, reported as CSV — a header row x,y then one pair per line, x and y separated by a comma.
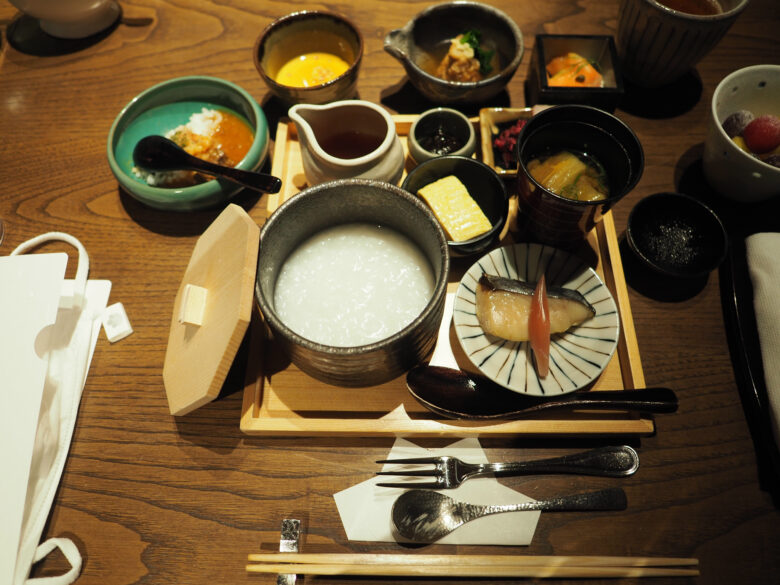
x,y
762,134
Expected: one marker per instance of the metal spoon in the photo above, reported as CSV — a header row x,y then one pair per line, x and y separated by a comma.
x,y
427,516
157,153
461,395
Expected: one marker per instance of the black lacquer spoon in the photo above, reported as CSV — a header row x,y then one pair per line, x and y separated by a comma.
x,y
461,395
157,153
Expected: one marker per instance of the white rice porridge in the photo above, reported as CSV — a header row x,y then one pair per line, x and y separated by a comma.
x,y
353,284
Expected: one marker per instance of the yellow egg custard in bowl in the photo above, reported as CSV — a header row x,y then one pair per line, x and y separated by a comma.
x,y
310,57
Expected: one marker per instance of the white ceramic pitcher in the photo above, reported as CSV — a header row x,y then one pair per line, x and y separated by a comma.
x,y
348,139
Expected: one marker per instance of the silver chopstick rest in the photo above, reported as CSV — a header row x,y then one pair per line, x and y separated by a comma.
x,y
288,542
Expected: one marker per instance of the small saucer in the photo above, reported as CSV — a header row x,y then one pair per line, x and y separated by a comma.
x,y
577,356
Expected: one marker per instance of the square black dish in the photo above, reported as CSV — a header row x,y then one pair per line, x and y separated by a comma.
x,y
599,51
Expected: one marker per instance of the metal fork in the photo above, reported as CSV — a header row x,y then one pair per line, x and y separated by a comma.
x,y
450,472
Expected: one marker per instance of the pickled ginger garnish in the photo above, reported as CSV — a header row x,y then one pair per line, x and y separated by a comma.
x,y
539,329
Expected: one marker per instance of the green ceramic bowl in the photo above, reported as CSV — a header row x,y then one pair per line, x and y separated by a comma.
x,y
167,105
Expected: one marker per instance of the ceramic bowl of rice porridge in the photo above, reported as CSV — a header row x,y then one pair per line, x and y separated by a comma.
x,y
351,279
210,118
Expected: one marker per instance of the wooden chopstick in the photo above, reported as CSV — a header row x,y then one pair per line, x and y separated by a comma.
x,y
485,571
472,560
471,565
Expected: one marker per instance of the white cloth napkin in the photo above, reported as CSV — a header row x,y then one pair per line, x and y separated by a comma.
x,y
763,258
365,508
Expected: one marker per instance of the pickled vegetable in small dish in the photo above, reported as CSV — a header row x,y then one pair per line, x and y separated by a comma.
x,y
506,144
573,70
576,356
499,130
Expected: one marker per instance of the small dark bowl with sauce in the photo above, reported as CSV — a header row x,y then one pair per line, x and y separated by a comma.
x,y
441,131
676,235
483,184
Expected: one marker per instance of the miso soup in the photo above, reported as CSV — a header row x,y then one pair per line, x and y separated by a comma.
x,y
571,174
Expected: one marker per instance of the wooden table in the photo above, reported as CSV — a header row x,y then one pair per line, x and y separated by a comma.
x,y
150,498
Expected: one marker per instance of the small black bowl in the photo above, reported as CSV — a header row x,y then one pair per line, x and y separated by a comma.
x,y
482,183
676,235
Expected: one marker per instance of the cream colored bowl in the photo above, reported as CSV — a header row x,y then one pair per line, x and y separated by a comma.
x,y
729,170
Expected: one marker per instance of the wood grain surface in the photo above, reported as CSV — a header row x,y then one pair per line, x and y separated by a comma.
x,y
155,499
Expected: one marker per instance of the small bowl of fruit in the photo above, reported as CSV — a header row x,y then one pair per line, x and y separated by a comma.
x,y
742,151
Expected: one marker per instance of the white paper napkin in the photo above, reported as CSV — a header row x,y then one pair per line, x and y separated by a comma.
x,y
442,353
365,508
763,258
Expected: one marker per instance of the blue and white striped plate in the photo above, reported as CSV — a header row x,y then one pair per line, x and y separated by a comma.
x,y
577,357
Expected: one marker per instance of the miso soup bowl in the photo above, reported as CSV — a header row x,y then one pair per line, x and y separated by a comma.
x,y
551,218
340,202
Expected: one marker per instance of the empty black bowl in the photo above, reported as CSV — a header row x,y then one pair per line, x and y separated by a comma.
x,y
483,184
676,235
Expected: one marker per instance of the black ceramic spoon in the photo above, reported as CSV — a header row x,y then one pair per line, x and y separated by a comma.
x,y
157,153
457,394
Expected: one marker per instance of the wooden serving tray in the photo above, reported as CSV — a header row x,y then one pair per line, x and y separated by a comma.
x,y
280,400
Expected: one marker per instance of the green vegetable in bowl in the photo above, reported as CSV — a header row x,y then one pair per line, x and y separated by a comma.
x,y
472,38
